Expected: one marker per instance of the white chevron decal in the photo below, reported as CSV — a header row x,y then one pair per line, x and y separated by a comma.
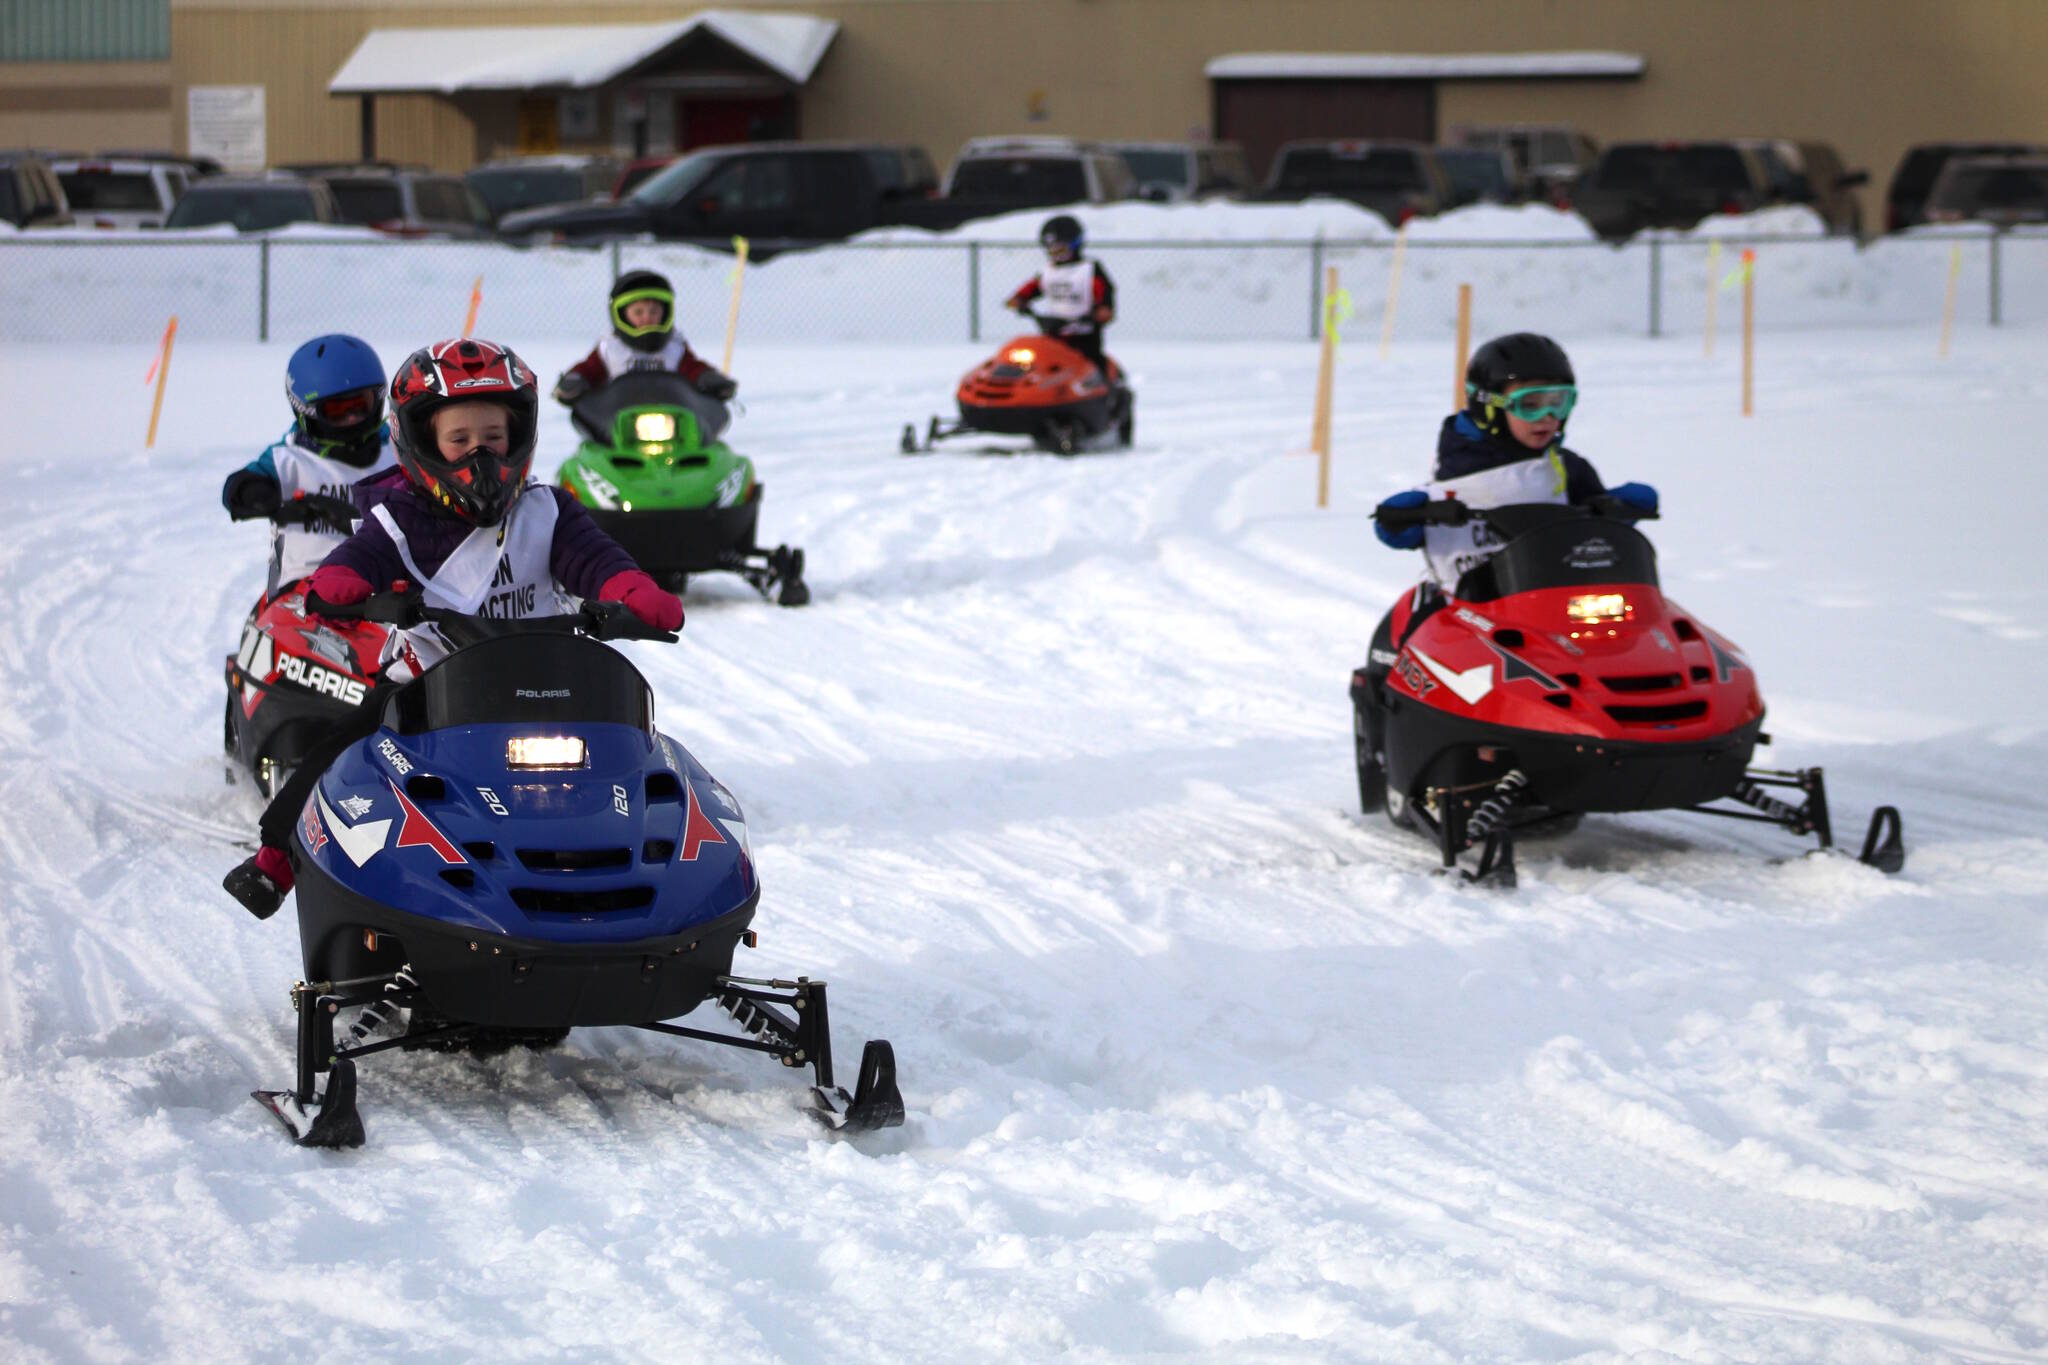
x,y
360,843
1474,683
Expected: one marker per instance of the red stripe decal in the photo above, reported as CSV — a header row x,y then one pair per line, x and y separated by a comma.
x,y
698,828
418,830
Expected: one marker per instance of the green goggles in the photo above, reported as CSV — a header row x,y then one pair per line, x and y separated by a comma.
x,y
1532,405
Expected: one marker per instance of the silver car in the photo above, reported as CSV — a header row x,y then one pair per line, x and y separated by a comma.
x,y
115,193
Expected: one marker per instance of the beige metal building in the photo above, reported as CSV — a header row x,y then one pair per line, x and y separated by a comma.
x,y
338,76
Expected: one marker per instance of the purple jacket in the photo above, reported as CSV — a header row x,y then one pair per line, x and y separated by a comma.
x,y
582,558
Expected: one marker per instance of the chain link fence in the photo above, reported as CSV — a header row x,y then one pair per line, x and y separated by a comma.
x,y
76,291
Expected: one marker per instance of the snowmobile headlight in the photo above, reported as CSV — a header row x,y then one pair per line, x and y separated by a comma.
x,y
1597,608
1021,355
545,751
654,427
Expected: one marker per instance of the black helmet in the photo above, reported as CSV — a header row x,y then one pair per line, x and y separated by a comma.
x,y
1518,358
643,284
1064,230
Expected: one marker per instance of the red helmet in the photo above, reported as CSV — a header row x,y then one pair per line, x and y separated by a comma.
x,y
480,485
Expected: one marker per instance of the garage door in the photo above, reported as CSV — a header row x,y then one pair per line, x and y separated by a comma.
x,y
1262,114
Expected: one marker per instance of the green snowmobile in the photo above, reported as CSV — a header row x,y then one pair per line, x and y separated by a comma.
x,y
652,472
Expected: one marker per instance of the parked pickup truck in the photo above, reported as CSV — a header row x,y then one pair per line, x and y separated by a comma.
x,y
775,194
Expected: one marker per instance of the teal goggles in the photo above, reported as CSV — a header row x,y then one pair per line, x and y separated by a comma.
x,y
1532,405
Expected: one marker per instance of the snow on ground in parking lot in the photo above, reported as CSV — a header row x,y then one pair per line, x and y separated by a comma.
x,y
1053,783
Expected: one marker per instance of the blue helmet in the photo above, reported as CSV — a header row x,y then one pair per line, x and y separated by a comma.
x,y
336,387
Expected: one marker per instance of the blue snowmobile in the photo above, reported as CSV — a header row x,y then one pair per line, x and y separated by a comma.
x,y
515,852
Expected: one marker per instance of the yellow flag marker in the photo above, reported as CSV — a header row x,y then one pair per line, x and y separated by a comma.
x,y
732,316
1337,311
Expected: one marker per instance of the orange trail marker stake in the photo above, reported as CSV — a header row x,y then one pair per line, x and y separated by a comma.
x,y
1394,289
1748,332
1948,304
1464,347
160,370
476,297
1714,287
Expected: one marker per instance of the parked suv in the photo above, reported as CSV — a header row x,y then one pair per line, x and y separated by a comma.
x,y
254,204
772,193
1397,180
1549,158
1480,175
30,193
121,194
1921,166
408,203
1637,185
1171,172
1992,189
1005,173
526,182
1811,173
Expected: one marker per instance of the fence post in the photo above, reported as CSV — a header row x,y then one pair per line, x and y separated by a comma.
x,y
1656,285
974,291
263,290
1997,302
615,258
1315,289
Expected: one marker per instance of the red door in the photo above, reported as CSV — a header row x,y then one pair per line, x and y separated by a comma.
x,y
710,122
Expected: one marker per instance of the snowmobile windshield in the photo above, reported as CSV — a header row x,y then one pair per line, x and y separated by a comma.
x,y
597,413
535,675
1558,546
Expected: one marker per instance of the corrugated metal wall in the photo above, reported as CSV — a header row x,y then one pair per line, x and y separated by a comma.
x,y
85,30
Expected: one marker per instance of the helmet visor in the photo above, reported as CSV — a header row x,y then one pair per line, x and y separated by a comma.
x,y
1533,405
624,304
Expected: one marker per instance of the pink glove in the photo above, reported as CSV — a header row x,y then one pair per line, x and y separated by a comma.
x,y
341,586
644,598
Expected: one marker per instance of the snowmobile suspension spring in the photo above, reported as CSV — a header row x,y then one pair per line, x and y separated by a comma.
x,y
1750,794
1493,811
381,1012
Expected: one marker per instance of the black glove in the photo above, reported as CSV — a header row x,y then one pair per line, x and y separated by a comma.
x,y
570,387
250,496
713,384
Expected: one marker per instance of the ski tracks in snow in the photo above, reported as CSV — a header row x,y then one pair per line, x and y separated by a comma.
x,y
1052,781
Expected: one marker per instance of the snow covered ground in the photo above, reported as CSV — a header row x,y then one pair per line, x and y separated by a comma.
x,y
1053,783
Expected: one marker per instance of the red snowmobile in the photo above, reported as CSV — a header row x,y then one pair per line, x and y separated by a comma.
x,y
1038,386
293,675
1556,679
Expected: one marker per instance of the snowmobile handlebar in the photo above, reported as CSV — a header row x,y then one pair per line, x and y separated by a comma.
x,y
605,621
316,511
1451,512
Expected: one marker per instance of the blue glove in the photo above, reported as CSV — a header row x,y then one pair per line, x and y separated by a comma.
x,y
1640,496
1405,537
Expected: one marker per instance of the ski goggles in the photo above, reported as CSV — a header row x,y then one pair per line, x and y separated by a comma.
x,y
348,409
1533,405
663,297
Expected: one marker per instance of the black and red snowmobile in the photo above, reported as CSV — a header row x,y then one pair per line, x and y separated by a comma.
x,y
1555,679
294,675
1043,388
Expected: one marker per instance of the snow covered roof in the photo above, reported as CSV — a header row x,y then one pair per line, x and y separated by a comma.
x,y
1421,65
579,56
